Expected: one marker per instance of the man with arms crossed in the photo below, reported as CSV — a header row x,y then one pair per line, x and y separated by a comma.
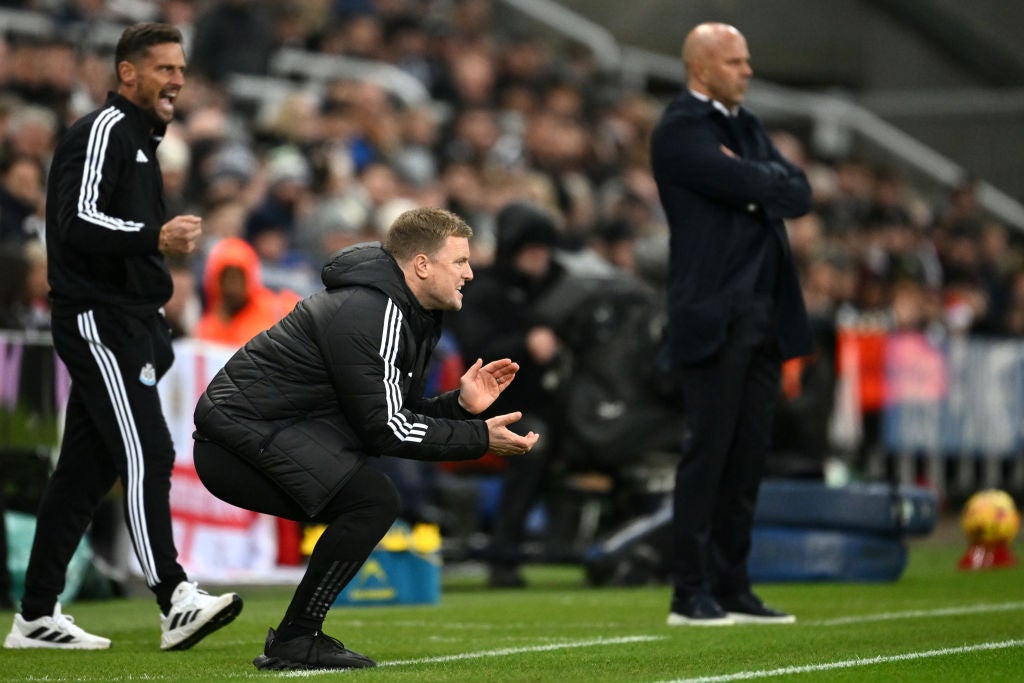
x,y
735,313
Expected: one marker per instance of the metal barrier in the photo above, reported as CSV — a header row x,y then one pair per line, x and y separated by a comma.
x,y
950,412
323,68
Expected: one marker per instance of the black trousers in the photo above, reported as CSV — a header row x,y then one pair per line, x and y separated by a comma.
x,y
357,518
728,404
522,487
114,428
230,477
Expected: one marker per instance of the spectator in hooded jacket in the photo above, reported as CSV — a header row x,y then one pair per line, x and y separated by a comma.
x,y
501,319
285,427
238,306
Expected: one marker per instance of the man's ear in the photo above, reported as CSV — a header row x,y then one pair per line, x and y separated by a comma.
x,y
421,265
126,73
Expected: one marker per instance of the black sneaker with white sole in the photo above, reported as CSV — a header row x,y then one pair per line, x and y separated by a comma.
x,y
747,608
698,610
316,651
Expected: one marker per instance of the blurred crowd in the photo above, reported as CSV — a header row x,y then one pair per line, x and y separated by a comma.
x,y
296,166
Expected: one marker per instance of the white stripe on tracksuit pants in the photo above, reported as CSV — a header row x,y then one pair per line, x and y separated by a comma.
x,y
114,428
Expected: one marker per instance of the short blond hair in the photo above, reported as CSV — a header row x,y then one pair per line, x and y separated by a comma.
x,y
423,231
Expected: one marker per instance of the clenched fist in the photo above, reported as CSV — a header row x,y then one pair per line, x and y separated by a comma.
x,y
180,235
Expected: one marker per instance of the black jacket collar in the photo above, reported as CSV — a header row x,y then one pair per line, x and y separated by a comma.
x,y
140,119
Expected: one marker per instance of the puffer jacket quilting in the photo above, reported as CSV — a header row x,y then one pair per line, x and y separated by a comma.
x,y
339,379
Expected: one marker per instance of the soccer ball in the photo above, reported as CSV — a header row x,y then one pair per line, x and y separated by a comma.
x,y
990,518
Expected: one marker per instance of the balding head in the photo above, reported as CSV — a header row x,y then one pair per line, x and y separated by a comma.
x,y
704,38
717,62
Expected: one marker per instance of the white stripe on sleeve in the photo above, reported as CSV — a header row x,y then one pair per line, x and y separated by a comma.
x,y
92,174
399,424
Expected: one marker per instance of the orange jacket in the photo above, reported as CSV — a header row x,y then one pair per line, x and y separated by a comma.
x,y
265,307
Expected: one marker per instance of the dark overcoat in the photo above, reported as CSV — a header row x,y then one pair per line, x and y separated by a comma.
x,y
725,214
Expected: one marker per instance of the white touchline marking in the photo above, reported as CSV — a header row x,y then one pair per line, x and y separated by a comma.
x,y
881,616
481,626
913,614
505,651
839,621
850,663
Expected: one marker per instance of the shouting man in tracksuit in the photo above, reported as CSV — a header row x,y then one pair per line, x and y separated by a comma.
x,y
106,239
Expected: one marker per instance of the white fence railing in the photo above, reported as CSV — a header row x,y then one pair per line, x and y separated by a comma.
x,y
952,413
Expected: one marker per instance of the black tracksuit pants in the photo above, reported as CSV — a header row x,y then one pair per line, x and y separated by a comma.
x,y
114,428
357,518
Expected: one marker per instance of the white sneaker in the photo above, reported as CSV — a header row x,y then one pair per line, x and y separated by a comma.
x,y
56,632
194,615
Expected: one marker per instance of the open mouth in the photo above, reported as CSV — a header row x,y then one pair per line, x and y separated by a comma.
x,y
166,100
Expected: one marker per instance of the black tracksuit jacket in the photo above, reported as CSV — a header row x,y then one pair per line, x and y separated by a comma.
x,y
104,213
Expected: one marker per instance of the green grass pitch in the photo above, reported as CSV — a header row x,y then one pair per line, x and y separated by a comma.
x,y
935,624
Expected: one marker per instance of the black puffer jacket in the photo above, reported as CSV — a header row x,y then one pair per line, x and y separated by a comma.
x,y
339,379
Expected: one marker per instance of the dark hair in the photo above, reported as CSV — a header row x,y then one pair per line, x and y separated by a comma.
x,y
138,38
9,161
423,231
520,223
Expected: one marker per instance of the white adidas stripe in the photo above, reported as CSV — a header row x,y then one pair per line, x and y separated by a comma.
x,y
389,352
111,373
390,336
92,175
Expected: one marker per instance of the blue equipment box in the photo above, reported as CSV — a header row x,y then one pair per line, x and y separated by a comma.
x,y
404,569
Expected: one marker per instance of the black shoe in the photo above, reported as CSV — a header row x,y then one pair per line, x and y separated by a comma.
x,y
747,608
698,610
316,651
506,577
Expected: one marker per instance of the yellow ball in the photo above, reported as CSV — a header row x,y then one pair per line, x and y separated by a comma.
x,y
990,517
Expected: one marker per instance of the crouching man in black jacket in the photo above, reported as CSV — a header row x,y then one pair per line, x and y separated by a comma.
x,y
285,426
